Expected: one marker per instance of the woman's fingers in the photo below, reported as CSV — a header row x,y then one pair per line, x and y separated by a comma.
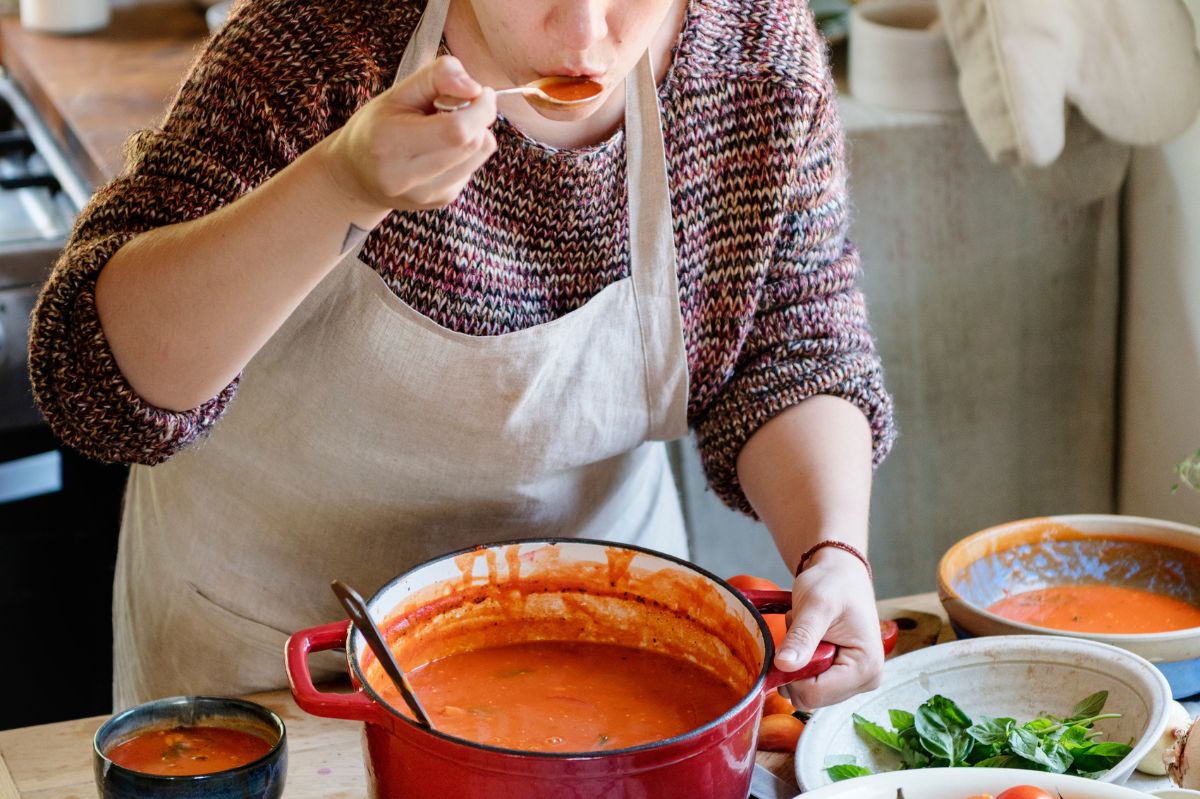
x,y
833,601
852,672
444,188
445,76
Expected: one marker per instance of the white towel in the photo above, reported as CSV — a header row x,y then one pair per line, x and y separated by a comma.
x,y
1062,88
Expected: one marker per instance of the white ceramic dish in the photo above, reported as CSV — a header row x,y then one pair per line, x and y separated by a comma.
x,y
1020,676
960,783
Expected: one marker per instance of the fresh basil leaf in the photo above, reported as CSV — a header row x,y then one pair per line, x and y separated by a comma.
x,y
991,731
1089,706
943,735
901,720
1050,755
1040,726
1001,761
872,730
846,771
1075,737
912,756
949,711
1099,756
839,760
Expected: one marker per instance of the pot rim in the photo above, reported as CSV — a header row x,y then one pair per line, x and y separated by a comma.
x,y
755,689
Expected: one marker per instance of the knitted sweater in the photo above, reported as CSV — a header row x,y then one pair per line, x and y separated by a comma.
x,y
767,281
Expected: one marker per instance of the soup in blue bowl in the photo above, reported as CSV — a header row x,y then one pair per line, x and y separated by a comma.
x,y
187,747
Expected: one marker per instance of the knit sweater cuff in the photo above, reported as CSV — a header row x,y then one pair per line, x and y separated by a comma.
x,y
81,390
742,409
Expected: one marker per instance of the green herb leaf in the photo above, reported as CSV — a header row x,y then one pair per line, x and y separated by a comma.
x,y
886,737
846,771
1048,754
1099,756
943,730
1088,706
901,720
992,731
1001,761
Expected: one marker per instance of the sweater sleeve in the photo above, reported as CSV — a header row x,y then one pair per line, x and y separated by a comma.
x,y
220,139
810,333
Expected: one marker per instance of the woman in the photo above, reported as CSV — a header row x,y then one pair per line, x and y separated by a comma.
x,y
444,329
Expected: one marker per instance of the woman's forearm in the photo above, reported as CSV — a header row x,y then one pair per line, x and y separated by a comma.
x,y
807,473
185,307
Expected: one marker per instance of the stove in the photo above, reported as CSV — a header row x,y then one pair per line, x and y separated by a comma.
x,y
59,512
40,196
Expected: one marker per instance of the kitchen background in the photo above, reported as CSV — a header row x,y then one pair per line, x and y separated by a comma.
x,y
1041,341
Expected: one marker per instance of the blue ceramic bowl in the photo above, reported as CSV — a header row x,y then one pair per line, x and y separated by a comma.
x,y
1128,551
260,779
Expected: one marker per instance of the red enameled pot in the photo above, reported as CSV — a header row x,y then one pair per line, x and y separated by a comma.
x,y
611,592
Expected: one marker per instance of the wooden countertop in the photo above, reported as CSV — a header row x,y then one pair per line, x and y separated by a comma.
x,y
54,761
93,91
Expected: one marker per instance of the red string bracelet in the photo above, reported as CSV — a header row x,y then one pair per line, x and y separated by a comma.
x,y
842,545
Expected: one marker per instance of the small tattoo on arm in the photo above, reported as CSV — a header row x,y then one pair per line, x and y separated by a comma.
x,y
354,237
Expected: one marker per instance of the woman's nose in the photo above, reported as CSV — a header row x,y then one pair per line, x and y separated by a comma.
x,y
578,24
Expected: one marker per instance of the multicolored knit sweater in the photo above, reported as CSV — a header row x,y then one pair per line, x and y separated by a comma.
x,y
767,280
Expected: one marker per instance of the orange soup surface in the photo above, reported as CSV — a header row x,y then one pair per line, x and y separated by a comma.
x,y
1099,609
184,751
566,696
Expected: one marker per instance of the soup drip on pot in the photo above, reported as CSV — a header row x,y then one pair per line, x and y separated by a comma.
x,y
566,696
1108,609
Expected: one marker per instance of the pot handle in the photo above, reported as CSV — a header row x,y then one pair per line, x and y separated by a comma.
x,y
355,706
822,659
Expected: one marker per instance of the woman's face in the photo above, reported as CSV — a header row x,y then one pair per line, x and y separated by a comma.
x,y
523,40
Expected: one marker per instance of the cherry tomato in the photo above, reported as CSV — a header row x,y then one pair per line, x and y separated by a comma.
x,y
774,703
890,634
1025,792
776,622
748,582
779,732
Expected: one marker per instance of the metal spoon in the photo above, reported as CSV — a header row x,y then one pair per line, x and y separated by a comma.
x,y
558,91
357,608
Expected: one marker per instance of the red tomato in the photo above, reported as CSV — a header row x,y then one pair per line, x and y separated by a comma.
x,y
748,582
890,634
776,622
1025,792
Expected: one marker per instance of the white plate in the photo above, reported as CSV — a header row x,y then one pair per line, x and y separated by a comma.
x,y
959,783
1020,676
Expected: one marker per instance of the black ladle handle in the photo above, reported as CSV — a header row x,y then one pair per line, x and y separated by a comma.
x,y
357,608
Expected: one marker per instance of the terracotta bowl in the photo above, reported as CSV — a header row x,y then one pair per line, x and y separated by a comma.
x,y
1149,554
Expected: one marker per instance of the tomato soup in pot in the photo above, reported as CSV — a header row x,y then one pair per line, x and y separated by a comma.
x,y
528,652
646,675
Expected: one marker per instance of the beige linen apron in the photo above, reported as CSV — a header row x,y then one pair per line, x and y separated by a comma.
x,y
366,439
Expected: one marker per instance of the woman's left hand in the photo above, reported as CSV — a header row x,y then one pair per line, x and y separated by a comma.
x,y
833,600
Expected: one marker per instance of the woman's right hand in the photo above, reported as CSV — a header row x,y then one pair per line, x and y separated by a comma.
x,y
397,152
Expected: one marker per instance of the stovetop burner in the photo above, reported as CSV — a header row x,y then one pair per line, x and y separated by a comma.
x,y
40,194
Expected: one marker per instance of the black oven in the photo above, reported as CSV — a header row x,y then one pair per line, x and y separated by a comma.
x,y
58,511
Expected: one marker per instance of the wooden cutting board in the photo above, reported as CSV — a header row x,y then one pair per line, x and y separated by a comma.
x,y
8,788
917,630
